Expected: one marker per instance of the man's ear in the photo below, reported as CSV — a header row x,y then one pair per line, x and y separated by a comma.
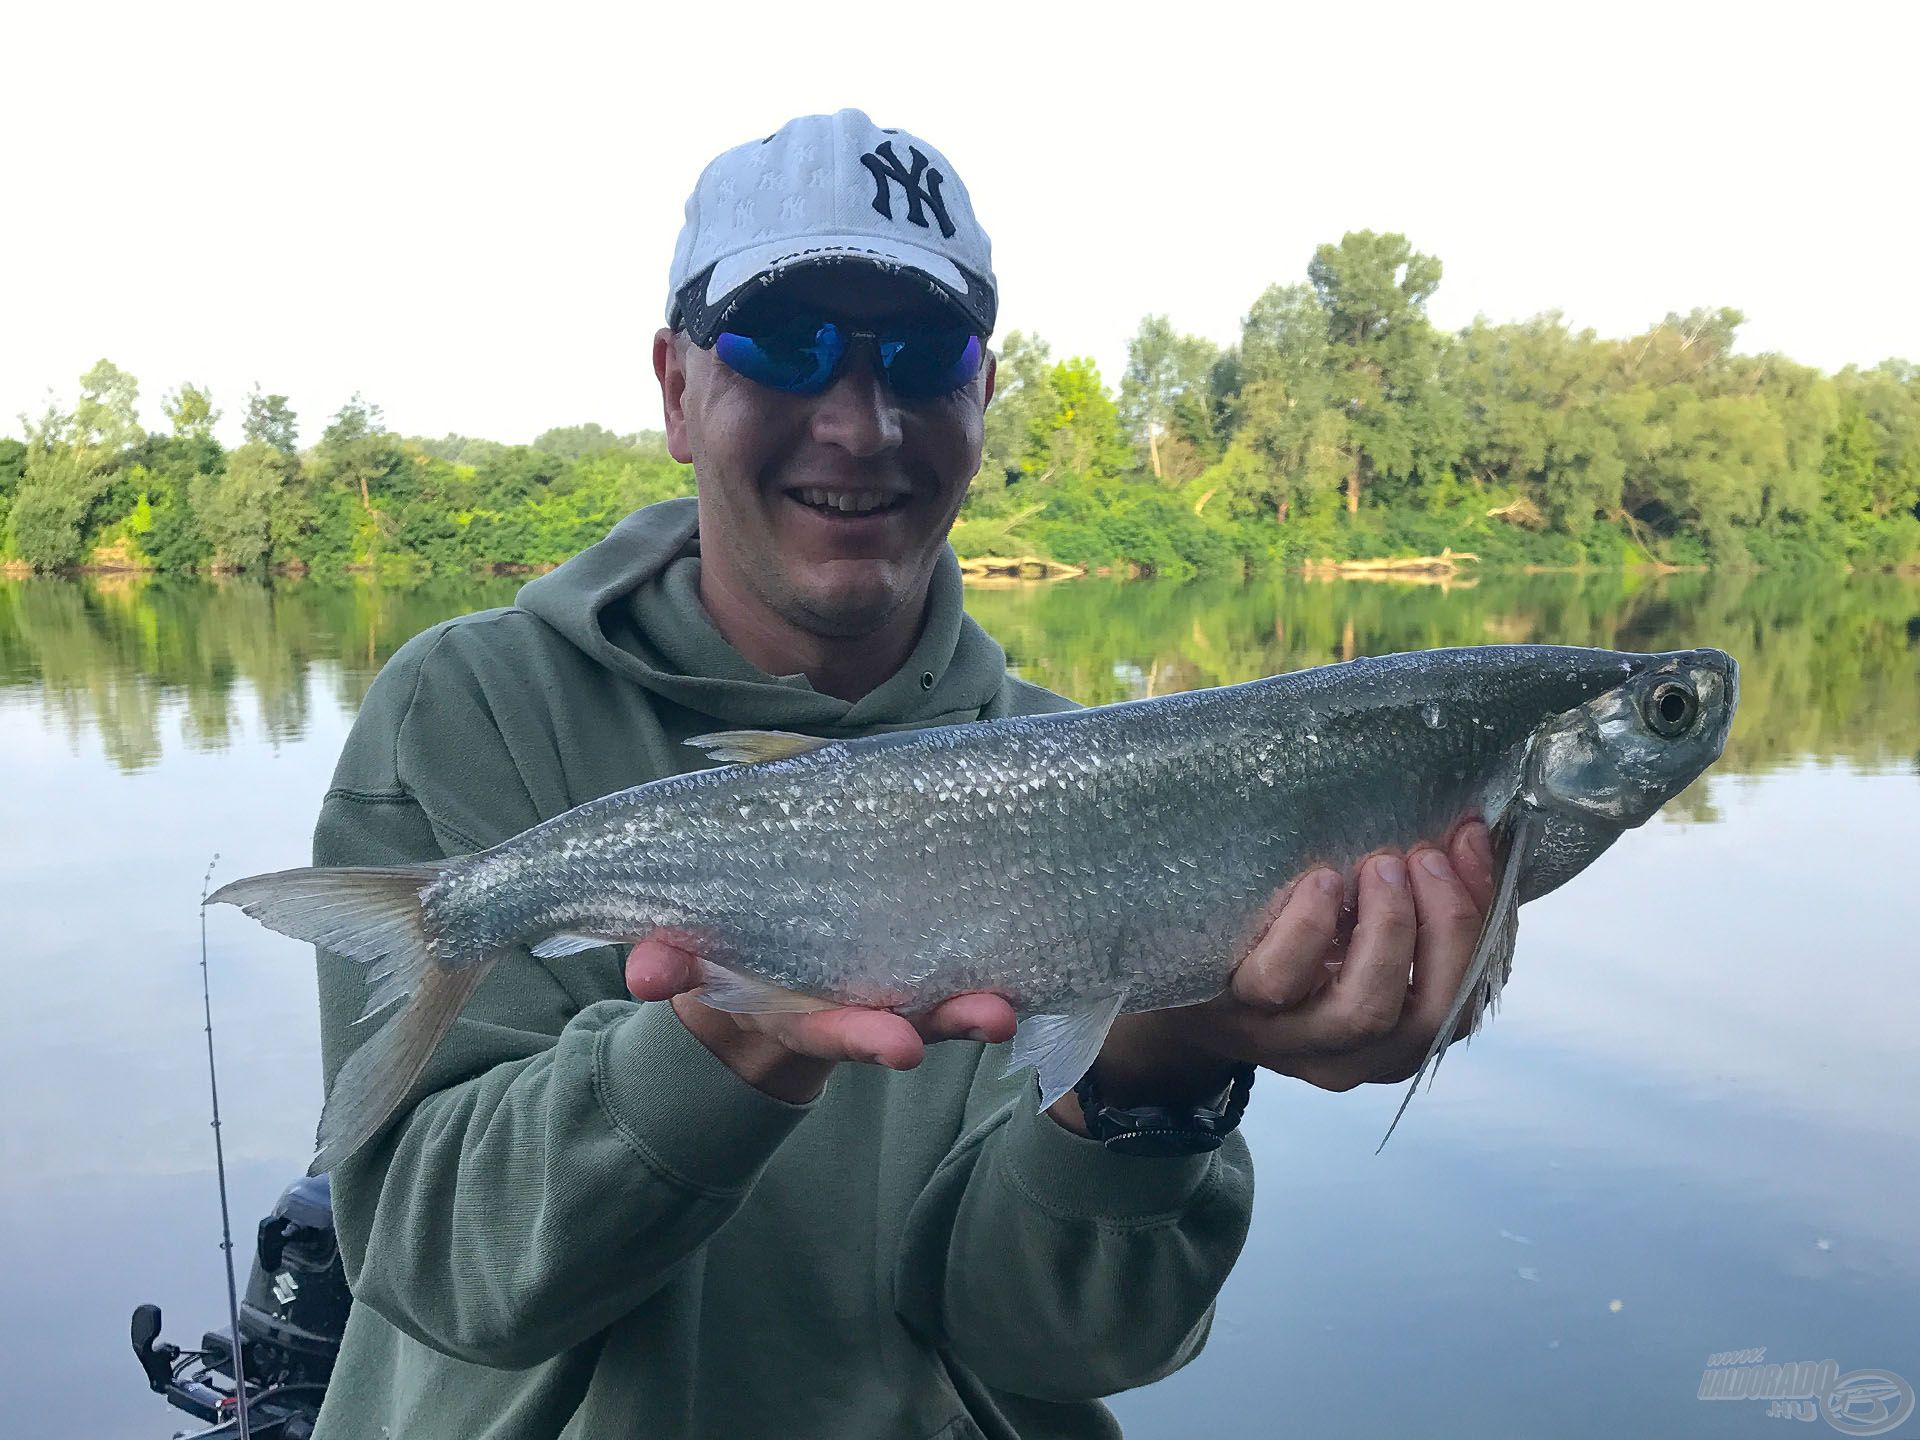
x,y
993,363
670,368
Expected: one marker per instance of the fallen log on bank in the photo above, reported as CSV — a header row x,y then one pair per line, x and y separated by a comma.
x,y
1446,564
1017,567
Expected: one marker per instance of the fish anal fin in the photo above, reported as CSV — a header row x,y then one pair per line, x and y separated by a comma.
x,y
1063,1047
1492,960
740,994
754,747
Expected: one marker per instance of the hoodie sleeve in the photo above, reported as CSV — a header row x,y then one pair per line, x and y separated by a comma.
x,y
570,1148
1056,1270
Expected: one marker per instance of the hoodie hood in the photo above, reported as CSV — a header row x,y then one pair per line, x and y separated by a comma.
x,y
632,604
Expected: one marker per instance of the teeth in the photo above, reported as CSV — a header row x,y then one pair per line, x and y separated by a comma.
x,y
849,502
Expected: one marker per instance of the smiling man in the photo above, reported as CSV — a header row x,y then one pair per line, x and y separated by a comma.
x,y
604,1215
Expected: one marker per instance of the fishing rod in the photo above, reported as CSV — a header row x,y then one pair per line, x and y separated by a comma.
x,y
220,1169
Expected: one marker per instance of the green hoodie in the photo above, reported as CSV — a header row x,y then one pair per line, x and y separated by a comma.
x,y
589,1226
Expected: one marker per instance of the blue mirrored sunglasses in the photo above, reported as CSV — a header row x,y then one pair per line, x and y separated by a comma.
x,y
920,361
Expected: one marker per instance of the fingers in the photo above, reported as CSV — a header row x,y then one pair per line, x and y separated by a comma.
x,y
1450,923
969,1017
1471,850
1371,990
1288,963
1419,919
656,971
880,1037
873,1037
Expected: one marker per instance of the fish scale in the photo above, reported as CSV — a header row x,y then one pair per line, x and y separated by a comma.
x,y
1074,862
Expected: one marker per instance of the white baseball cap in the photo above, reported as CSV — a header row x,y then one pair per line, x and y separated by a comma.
x,y
824,189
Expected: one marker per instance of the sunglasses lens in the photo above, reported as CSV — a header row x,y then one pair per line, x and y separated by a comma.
x,y
922,364
799,360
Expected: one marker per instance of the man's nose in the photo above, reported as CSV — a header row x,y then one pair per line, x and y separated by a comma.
x,y
859,411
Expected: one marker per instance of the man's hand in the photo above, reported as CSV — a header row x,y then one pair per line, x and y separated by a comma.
x,y
790,1055
1288,1010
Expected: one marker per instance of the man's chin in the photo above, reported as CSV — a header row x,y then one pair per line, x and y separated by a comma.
x,y
861,599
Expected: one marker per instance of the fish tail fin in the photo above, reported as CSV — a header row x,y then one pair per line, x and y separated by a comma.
x,y
371,915
378,1076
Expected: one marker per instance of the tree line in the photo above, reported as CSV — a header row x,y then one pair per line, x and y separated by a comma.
x,y
1341,424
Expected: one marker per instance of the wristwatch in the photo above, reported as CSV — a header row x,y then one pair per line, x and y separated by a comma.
x,y
1190,1129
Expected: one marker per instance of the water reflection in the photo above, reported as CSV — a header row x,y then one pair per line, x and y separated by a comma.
x,y
106,656
1830,667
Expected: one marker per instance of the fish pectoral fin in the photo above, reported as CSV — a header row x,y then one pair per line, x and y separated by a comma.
x,y
748,995
1062,1048
554,946
754,747
1492,960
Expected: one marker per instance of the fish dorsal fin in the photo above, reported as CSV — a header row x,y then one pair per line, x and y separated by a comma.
x,y
754,747
1492,958
1062,1048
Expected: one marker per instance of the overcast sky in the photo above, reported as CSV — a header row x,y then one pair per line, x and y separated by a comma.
x,y
466,212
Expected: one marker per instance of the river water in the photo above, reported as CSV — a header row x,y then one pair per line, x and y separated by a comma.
x,y
1694,1127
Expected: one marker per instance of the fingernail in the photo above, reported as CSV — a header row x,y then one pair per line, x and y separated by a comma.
x,y
1390,870
1481,844
1328,884
1435,864
978,1034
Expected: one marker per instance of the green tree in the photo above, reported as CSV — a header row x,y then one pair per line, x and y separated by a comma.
x,y
1017,420
1289,444
189,410
13,466
1383,358
459,449
1083,433
1539,419
236,508
1889,397
357,451
47,522
576,442
1166,399
270,421
108,415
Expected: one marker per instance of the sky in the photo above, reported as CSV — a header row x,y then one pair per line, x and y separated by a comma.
x,y
466,212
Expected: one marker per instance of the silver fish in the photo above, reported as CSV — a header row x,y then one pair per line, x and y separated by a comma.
x,y
1080,864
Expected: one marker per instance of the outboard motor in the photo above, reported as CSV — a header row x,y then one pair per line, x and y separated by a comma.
x,y
291,1320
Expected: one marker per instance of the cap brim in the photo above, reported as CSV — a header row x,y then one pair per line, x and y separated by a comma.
x,y
708,300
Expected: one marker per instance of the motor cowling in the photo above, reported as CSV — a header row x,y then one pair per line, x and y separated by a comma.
x,y
296,1304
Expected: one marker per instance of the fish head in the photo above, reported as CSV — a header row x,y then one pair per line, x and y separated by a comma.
x,y
1612,762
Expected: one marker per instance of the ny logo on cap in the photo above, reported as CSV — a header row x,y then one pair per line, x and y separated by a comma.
x,y
886,167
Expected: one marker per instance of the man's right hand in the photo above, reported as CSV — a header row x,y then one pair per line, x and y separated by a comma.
x,y
789,1055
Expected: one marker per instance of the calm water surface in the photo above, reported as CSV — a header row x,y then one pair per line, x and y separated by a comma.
x,y
1694,1127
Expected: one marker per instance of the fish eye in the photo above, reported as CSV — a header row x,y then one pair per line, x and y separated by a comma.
x,y
1671,708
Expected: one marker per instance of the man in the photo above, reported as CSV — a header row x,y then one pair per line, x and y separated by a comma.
x,y
613,1218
